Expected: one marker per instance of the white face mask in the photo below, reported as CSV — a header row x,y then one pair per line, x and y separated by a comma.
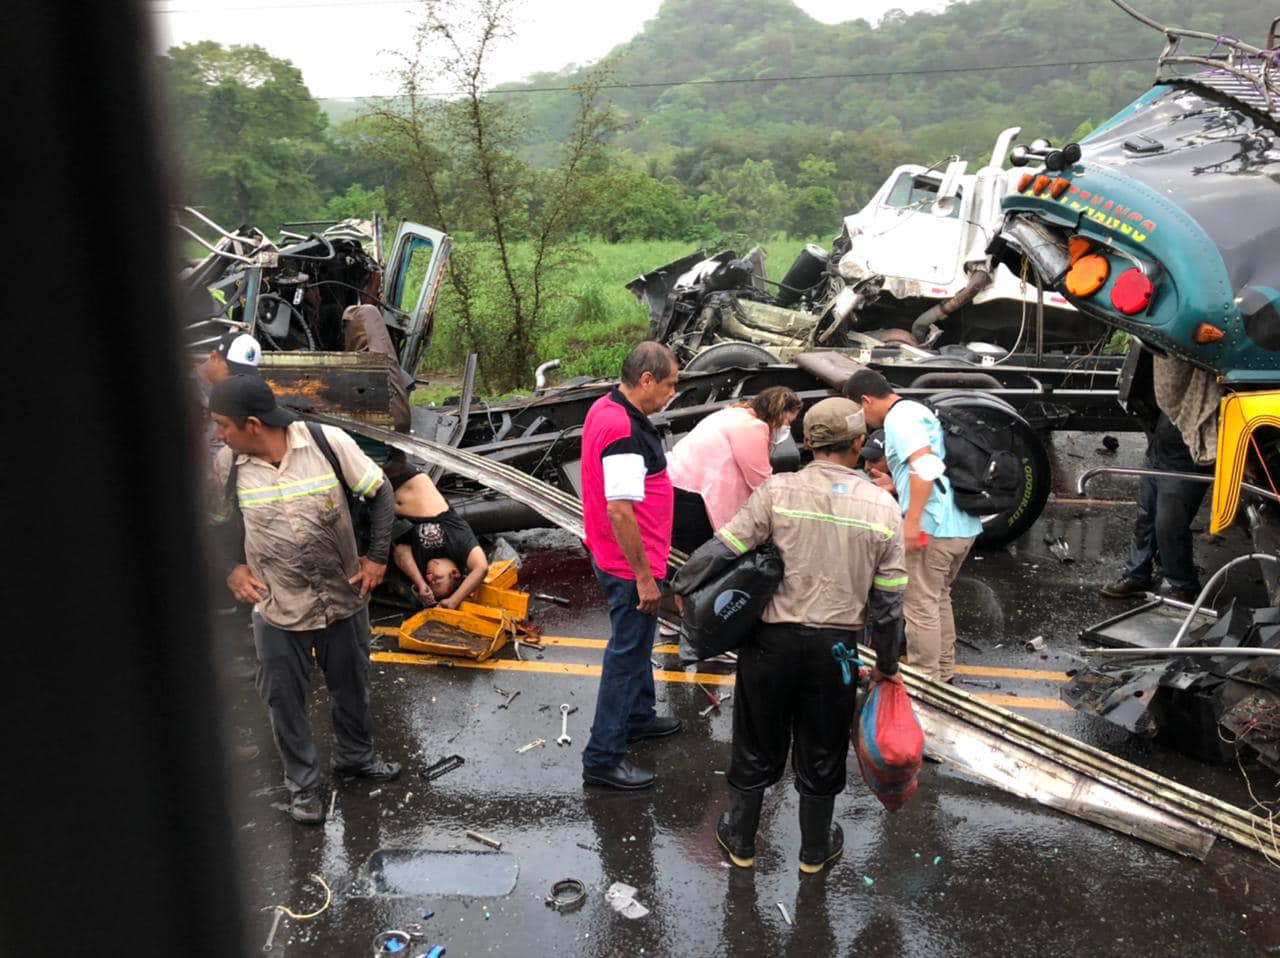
x,y
781,434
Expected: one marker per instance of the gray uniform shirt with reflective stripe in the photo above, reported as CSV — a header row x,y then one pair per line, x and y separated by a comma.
x,y
298,537
839,535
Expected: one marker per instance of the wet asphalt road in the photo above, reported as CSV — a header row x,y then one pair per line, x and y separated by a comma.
x,y
964,869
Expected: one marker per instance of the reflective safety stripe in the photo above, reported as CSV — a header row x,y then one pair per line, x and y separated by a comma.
x,y
883,532
889,583
263,495
734,542
367,481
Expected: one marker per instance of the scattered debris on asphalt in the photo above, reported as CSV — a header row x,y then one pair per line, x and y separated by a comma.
x,y
1059,549
271,935
785,917
442,767
307,916
510,698
716,702
391,942
536,743
484,839
568,894
557,599
621,898
1036,644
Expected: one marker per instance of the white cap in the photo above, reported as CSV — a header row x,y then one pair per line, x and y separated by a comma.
x,y
241,351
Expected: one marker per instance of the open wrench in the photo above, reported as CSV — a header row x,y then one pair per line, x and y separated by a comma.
x,y
564,726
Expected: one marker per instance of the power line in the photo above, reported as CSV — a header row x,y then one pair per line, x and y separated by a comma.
x,y
874,75
220,9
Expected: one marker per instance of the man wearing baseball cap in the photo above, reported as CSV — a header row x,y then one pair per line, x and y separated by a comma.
x,y
298,565
235,354
840,538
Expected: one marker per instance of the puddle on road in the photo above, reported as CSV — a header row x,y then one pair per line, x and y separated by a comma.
x,y
417,871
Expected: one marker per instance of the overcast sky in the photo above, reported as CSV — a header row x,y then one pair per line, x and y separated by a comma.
x,y
340,45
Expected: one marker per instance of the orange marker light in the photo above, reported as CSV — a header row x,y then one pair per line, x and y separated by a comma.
x,y
1087,275
1077,246
1059,187
1041,184
1025,181
1205,333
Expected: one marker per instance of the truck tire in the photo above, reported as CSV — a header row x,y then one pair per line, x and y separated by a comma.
x,y
728,355
1004,527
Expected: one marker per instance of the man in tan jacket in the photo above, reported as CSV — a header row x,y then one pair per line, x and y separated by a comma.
x,y
840,538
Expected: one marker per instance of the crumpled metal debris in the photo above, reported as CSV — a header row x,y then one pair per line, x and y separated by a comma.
x,y
621,898
1059,549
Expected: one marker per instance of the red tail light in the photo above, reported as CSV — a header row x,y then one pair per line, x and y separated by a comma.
x,y
1132,292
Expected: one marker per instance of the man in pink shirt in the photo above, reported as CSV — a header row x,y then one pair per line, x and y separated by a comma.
x,y
627,511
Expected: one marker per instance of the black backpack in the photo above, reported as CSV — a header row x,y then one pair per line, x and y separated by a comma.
x,y
984,472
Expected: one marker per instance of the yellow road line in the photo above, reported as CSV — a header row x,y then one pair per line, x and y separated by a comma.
x,y
1020,702
989,671
547,668
659,675
568,642
993,671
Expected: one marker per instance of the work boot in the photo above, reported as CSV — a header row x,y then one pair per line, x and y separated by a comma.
x,y
306,807
1124,588
736,831
376,771
1188,596
662,726
624,775
821,842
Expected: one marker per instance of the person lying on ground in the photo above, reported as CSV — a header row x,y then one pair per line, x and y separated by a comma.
x,y
432,544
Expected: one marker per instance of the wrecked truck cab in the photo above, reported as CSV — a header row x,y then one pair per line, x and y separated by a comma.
x,y
1164,223
292,295
926,232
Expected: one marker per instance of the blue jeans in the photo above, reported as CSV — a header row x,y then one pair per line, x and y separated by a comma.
x,y
625,700
1162,532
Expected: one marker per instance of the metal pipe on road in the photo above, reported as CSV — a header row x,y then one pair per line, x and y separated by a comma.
x,y
1164,474
1167,651
1213,580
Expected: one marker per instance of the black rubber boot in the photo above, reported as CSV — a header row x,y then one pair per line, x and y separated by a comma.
x,y
821,842
736,832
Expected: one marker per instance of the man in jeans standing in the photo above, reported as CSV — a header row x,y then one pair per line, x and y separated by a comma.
x,y
627,504
936,532
1162,530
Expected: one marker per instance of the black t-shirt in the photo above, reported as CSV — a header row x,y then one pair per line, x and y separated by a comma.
x,y
446,536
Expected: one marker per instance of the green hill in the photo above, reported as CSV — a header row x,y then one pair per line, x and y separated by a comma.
x,y
934,85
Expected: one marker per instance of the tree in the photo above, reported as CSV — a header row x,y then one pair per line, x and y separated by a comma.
x,y
632,205
357,203
756,199
815,211
251,130
464,172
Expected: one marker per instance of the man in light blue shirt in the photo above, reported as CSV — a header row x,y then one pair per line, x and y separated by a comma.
x,y
937,533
